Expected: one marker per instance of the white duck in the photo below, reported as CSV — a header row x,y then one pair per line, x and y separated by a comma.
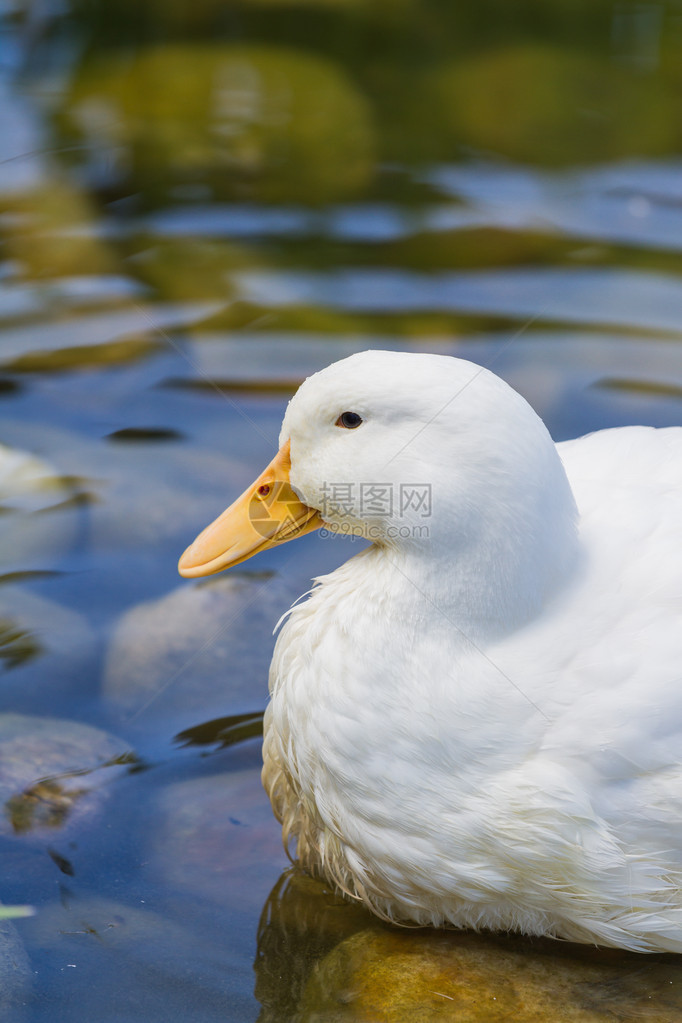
x,y
477,721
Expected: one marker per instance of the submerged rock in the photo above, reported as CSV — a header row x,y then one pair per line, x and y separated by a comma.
x,y
15,974
202,650
302,921
130,495
323,957
128,962
75,925
217,839
46,650
400,977
36,522
53,774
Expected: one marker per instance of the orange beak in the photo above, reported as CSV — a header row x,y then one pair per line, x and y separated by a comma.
x,y
268,513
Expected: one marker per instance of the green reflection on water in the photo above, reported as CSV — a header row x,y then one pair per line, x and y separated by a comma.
x,y
257,122
17,645
321,97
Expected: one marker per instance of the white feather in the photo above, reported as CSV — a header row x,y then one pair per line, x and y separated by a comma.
x,y
482,727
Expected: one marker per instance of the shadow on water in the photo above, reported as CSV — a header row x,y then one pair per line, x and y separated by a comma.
x,y
223,731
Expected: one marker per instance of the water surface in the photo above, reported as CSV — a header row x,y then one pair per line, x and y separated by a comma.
x,y
200,204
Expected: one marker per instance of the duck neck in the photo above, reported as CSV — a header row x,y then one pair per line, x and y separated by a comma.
x,y
490,574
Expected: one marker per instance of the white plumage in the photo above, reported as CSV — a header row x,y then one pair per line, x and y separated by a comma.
x,y
482,726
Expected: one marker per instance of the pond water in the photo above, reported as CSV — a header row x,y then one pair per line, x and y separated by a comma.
x,y
200,204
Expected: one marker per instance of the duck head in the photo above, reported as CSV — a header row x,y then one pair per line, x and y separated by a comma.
x,y
424,454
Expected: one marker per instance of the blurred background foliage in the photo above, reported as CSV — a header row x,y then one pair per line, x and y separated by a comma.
x,y
274,101
120,109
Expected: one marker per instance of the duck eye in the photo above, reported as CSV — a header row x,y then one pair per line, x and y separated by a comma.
x,y
349,420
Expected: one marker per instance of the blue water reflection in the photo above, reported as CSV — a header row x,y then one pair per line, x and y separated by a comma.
x,y
200,205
